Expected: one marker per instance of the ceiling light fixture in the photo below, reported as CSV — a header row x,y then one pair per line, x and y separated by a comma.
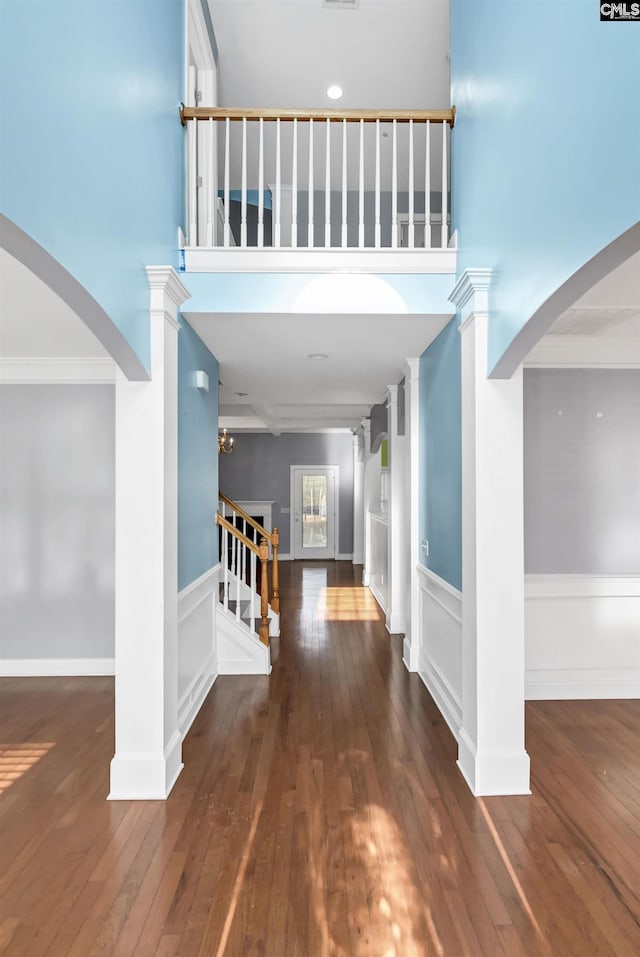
x,y
334,92
225,442
318,355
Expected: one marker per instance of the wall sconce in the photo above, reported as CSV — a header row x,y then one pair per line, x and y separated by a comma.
x,y
225,442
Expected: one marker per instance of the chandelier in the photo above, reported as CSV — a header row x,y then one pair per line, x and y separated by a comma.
x,y
225,442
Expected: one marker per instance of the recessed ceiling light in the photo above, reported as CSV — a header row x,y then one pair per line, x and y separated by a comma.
x,y
318,355
334,92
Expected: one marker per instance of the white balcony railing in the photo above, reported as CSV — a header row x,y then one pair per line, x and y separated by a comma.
x,y
291,179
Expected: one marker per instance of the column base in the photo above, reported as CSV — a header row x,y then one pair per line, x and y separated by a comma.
x,y
146,777
409,659
492,774
396,624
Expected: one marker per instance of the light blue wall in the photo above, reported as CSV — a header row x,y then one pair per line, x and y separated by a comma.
x,y
440,517
546,146
197,459
91,163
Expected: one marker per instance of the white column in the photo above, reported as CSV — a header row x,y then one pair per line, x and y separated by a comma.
x,y
491,753
366,571
358,500
148,754
396,564
411,649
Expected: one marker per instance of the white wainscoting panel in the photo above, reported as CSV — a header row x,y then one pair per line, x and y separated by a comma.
x,y
582,636
378,574
440,644
197,658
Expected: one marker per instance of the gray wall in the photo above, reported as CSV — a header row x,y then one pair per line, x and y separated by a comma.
x,y
57,519
582,471
259,470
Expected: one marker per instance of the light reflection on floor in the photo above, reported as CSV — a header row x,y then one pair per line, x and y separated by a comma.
x,y
347,604
17,759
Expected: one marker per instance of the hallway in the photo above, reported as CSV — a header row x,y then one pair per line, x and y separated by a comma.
x,y
320,813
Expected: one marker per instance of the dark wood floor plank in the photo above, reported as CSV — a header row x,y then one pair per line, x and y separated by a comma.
x,y
320,814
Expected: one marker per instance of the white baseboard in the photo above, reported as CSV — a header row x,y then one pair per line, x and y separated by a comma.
x,y
582,636
378,596
344,557
197,658
285,557
439,653
56,667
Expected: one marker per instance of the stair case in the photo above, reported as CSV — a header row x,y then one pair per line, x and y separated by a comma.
x,y
248,610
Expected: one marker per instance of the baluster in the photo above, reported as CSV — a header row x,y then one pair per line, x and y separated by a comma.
x,y
253,587
277,210
444,235
261,185
240,547
227,147
377,188
243,221
344,184
427,187
244,551
211,182
361,190
310,236
394,185
225,566
411,198
327,189
294,187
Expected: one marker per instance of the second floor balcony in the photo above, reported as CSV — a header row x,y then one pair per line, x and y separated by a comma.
x,y
318,190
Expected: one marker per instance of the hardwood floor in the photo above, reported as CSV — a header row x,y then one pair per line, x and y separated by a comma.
x,y
320,814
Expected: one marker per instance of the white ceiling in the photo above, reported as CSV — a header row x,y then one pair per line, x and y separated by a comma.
x,y
266,357
35,322
385,54
610,309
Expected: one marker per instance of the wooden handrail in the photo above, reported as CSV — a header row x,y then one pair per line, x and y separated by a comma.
x,y
351,116
245,515
256,549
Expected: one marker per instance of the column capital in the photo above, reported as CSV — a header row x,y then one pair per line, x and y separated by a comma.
x,y
168,292
470,295
411,369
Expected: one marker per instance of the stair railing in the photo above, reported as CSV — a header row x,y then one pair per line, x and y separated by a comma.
x,y
237,551
272,537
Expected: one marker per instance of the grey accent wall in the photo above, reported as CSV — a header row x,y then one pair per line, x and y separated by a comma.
x,y
57,521
259,470
582,471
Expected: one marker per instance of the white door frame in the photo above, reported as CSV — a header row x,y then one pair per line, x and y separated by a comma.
x,y
336,506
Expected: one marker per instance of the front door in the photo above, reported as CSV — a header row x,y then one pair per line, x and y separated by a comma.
x,y
314,512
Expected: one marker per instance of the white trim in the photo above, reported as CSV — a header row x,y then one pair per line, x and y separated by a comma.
x,y
53,371
336,509
412,432
189,599
538,587
584,352
492,773
195,593
55,667
197,37
285,557
573,684
237,259
448,599
344,557
582,636
376,594
146,777
470,295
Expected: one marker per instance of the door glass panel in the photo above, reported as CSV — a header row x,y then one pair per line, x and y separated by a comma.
x,y
314,511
